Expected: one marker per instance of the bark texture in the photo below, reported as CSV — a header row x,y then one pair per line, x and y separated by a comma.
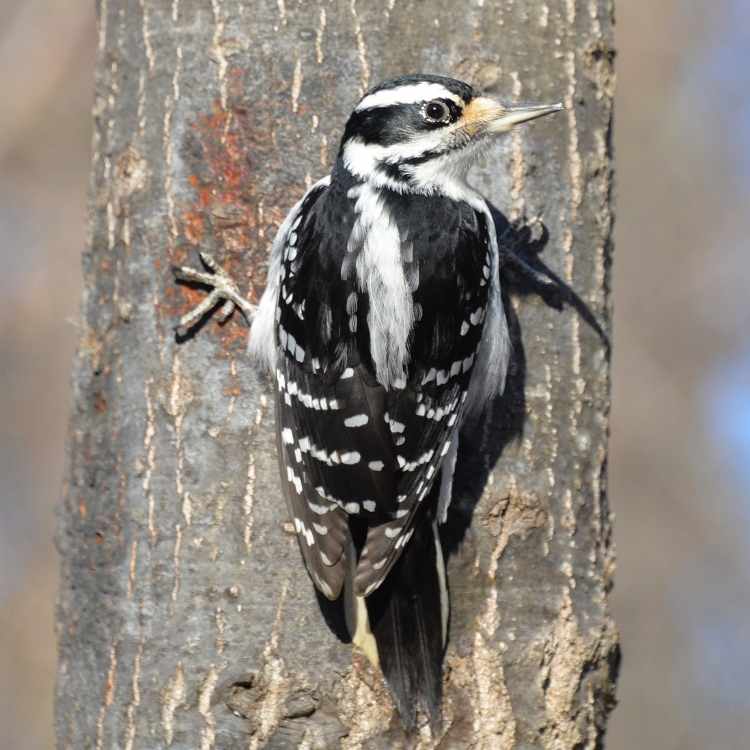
x,y
186,619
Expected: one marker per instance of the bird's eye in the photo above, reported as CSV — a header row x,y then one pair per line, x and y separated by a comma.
x,y
437,111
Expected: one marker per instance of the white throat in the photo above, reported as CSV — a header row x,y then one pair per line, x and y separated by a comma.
x,y
444,174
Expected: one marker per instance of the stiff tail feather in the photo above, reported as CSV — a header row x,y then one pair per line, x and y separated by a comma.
x,y
405,629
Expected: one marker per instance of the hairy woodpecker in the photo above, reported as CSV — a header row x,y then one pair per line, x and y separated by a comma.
x,y
383,328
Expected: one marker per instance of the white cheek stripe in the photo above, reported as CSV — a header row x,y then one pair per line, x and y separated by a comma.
x,y
362,158
407,94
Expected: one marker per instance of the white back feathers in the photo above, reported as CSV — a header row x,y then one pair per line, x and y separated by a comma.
x,y
380,273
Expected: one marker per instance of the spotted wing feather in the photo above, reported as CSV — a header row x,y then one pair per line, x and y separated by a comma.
x,y
352,450
424,418
335,447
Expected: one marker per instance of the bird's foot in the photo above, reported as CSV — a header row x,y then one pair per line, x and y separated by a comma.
x,y
223,289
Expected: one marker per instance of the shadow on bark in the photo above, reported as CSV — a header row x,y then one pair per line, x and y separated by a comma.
x,y
483,440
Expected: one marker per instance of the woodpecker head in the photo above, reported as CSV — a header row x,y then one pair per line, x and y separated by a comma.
x,y
422,133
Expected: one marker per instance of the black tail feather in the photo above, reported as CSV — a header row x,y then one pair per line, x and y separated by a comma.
x,y
406,619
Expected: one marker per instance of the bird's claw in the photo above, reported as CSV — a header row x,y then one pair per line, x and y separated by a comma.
x,y
223,288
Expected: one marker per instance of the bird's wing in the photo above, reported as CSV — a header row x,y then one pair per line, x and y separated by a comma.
x,y
334,445
424,417
355,455
334,448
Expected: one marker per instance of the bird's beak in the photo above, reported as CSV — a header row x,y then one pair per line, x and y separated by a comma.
x,y
484,115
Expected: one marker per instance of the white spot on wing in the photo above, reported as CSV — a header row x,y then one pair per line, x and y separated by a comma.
x,y
324,587
351,303
297,484
396,426
430,375
402,541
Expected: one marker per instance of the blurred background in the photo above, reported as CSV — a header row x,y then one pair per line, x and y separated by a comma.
x,y
680,449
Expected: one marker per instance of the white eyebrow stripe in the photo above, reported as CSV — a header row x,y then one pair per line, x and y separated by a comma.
x,y
410,94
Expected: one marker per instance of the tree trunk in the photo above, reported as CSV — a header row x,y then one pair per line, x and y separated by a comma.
x,y
185,616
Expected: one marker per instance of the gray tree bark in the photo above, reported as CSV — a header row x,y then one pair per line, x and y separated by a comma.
x,y
185,616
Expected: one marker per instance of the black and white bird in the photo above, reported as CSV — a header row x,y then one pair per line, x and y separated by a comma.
x,y
383,328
